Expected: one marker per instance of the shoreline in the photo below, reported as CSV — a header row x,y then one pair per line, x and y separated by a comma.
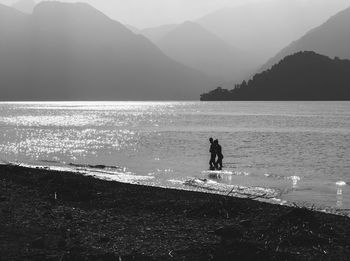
x,y
191,184
51,215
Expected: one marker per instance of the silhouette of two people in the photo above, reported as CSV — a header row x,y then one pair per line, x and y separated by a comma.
x,y
215,152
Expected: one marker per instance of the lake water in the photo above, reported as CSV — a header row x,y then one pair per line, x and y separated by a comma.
x,y
282,151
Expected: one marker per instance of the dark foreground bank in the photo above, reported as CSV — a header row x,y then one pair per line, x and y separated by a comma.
x,y
48,215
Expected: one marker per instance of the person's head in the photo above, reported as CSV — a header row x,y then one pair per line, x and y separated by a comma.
x,y
216,141
211,140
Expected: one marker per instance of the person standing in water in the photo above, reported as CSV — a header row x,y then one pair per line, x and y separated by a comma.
x,y
212,151
218,152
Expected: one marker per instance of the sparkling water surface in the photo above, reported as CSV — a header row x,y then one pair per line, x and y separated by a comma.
x,y
289,151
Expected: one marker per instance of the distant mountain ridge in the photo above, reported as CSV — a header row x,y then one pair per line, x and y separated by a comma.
x,y
155,34
331,38
301,76
69,51
254,32
194,46
266,27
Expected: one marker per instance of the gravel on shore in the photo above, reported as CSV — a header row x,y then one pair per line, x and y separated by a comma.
x,y
50,215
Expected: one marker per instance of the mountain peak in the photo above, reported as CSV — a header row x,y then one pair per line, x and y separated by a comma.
x,y
67,51
60,9
192,26
190,30
191,44
83,17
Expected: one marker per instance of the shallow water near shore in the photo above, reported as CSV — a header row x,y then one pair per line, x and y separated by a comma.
x,y
281,151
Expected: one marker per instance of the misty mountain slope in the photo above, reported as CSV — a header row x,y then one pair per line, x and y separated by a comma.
x,y
301,76
74,52
133,29
157,33
265,28
192,45
9,16
25,6
13,32
331,38
13,25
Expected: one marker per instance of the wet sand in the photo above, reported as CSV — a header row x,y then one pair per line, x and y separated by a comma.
x,y
48,215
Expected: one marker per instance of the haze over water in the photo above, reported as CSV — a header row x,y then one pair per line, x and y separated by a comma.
x,y
298,151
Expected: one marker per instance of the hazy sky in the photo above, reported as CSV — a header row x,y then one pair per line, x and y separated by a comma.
x,y
147,13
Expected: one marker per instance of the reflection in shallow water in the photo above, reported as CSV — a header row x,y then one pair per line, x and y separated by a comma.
x,y
224,176
339,197
340,185
295,180
238,191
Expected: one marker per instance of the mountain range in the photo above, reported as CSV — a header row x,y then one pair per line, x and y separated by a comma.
x,y
233,43
194,46
62,51
155,34
332,38
264,28
74,52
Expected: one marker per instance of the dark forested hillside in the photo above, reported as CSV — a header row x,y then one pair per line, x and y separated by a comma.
x,y
331,38
302,76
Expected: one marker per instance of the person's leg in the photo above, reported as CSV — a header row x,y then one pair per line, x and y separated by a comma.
x,y
212,161
219,163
